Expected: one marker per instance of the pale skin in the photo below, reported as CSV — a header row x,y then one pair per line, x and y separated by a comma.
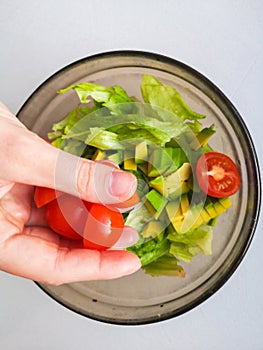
x,y
28,248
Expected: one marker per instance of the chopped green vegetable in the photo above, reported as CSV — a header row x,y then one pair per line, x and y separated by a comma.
x,y
174,184
202,137
160,161
167,265
141,152
151,250
116,157
138,217
155,203
153,229
186,246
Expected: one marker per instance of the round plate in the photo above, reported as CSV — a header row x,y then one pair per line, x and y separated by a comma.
x,y
140,298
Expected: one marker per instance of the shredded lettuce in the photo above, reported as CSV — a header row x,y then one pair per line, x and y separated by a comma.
x,y
103,139
167,98
73,117
111,97
187,245
126,126
166,265
151,250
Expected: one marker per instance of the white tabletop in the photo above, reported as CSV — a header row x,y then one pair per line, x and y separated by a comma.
x,y
221,39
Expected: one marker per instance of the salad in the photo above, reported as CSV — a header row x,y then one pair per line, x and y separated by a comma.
x,y
183,185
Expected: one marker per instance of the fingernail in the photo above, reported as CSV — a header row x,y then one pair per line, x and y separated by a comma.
x,y
122,184
109,163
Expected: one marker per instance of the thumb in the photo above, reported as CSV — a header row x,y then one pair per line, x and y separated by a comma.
x,y
28,159
93,181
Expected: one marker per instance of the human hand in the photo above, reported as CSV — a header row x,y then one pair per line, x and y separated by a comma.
x,y
28,248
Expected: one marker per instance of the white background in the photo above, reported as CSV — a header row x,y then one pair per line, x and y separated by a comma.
x,y
221,39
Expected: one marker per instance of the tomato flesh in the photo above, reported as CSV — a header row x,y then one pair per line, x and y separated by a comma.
x,y
217,175
67,216
44,195
103,227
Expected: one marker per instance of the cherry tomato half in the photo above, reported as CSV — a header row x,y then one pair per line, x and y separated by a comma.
x,y
217,175
44,195
67,216
103,227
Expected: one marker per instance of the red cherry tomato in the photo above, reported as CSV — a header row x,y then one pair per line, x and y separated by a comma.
x,y
103,227
217,175
44,195
67,216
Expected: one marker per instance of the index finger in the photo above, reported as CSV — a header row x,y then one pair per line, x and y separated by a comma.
x,y
53,264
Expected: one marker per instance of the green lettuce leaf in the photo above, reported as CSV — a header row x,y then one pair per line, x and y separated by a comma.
x,y
150,250
108,96
72,118
127,126
166,98
166,265
103,139
74,147
187,245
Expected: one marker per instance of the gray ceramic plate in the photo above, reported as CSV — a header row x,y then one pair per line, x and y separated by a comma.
x,y
140,298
